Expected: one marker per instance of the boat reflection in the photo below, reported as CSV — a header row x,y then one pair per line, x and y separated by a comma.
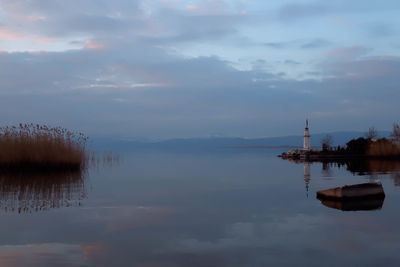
x,y
374,168
27,192
354,204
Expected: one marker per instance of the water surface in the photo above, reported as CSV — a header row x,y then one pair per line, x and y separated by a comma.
x,y
226,208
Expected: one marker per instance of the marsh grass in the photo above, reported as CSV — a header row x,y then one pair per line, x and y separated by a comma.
x,y
384,148
33,146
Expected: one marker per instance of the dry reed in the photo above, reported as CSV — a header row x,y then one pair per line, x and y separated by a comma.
x,y
384,148
40,146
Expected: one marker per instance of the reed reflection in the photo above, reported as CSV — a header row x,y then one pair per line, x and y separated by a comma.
x,y
26,192
32,189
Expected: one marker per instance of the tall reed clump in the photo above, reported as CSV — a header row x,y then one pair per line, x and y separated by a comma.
x,y
384,148
41,147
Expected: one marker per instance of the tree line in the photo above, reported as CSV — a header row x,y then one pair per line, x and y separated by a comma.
x,y
370,144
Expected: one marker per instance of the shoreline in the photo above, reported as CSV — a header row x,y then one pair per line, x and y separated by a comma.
x,y
321,155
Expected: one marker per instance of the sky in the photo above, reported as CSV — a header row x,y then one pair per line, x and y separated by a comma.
x,y
159,69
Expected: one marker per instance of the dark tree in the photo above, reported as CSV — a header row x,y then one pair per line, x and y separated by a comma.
x,y
395,134
327,142
358,146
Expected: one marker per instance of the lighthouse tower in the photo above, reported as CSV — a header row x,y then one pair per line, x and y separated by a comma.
x,y
306,138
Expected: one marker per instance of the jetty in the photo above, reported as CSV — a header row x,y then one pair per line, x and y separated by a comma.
x,y
359,148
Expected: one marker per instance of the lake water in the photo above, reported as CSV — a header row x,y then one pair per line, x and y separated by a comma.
x,y
227,208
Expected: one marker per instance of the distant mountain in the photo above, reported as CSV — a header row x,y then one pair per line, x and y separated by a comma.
x,y
339,138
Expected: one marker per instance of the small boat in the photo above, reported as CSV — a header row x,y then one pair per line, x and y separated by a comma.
x,y
361,191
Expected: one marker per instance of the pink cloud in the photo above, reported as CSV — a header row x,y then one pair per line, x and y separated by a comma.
x,y
92,250
16,255
44,40
30,18
89,44
34,18
210,7
342,21
12,6
348,52
364,68
139,217
9,35
192,7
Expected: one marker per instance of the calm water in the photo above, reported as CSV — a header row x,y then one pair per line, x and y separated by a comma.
x,y
231,208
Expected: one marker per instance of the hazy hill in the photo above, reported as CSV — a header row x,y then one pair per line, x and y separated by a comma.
x,y
339,138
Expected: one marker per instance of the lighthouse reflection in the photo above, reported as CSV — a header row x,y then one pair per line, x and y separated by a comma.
x,y
307,175
372,169
27,192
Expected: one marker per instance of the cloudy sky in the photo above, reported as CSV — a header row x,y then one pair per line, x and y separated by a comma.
x,y
172,68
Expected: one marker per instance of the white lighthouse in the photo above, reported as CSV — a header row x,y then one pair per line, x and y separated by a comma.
x,y
306,138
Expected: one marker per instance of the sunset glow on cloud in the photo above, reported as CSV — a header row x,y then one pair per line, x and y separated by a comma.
x,y
89,44
8,35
